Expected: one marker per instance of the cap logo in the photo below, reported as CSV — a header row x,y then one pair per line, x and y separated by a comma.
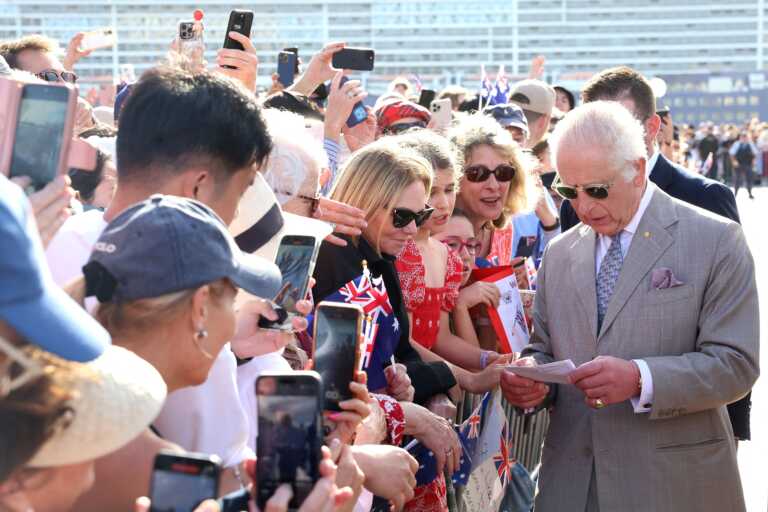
x,y
104,247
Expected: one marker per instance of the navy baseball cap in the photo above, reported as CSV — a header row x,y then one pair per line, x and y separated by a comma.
x,y
167,244
508,114
30,301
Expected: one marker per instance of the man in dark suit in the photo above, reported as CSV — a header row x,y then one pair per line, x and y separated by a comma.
x,y
632,90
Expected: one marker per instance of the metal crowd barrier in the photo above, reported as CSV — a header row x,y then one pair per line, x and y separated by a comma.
x,y
528,432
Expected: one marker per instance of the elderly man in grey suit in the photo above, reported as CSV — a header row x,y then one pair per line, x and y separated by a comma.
x,y
655,301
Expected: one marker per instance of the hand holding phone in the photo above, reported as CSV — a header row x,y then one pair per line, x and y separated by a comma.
x,y
97,39
190,41
359,112
181,482
289,441
240,22
337,350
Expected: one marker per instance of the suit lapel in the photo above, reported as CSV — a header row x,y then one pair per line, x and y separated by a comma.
x,y
583,273
649,243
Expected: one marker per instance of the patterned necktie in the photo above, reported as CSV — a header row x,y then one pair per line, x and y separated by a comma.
x,y
607,277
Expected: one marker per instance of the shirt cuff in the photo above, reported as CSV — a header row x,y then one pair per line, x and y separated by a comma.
x,y
644,402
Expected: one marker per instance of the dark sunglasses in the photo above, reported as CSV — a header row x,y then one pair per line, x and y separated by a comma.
x,y
401,217
455,243
401,127
477,173
596,191
51,75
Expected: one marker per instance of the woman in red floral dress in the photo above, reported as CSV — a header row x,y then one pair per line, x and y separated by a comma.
x,y
430,276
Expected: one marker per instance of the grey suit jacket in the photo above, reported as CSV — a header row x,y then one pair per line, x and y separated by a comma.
x,y
700,341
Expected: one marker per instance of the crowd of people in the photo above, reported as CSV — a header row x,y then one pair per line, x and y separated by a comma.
x,y
132,294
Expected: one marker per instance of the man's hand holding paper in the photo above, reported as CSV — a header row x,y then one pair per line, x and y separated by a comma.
x,y
521,391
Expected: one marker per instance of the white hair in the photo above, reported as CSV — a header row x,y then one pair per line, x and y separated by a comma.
x,y
297,157
607,125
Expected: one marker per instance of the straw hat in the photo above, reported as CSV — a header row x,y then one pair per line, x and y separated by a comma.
x,y
112,405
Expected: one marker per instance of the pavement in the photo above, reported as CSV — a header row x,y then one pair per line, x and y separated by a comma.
x,y
753,455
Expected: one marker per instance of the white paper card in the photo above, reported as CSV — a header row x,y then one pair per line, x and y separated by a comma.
x,y
556,372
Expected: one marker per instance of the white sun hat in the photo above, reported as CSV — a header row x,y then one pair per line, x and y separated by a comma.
x,y
111,406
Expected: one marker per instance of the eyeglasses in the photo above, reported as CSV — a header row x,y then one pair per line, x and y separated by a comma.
x,y
401,217
51,75
455,243
401,127
477,173
596,191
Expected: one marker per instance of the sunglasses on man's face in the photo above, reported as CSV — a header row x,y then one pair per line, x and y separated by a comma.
x,y
477,173
455,243
401,217
595,191
51,75
401,127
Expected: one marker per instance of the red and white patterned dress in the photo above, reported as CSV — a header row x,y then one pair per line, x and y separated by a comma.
x,y
425,305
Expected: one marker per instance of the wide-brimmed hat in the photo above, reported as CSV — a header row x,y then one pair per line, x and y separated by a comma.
x,y
30,301
112,404
167,244
260,223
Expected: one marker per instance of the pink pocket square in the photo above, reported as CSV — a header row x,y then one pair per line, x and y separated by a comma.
x,y
663,278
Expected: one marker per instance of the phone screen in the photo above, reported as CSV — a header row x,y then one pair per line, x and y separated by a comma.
x,y
289,436
336,349
42,117
295,258
286,67
182,486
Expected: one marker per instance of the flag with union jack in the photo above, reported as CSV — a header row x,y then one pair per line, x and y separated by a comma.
x,y
504,459
381,330
501,88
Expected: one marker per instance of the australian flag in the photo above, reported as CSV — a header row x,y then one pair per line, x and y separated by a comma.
x,y
501,88
469,436
381,330
486,88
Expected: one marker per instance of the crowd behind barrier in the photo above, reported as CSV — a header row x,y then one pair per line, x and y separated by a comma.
x,y
219,298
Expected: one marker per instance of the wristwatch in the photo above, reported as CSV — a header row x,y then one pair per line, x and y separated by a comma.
x,y
552,227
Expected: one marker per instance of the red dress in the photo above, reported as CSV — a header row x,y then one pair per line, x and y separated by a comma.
x,y
425,305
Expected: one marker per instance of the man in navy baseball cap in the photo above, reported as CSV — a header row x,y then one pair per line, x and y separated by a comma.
x,y
30,302
167,244
512,118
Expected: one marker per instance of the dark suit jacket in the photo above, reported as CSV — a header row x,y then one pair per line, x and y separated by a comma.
x,y
704,193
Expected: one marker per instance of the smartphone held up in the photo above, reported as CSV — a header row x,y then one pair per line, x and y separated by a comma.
x,y
181,482
290,434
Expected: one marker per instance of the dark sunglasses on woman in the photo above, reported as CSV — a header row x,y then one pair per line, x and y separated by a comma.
x,y
401,217
477,173
595,191
455,243
51,75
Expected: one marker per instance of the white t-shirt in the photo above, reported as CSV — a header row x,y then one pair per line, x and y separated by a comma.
x,y
71,247
246,384
207,418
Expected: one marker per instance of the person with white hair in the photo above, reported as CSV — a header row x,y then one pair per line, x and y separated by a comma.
x,y
655,302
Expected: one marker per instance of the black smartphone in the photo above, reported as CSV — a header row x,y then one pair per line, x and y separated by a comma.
x,y
181,482
426,97
45,113
359,112
359,59
240,22
296,258
336,355
286,67
294,50
290,434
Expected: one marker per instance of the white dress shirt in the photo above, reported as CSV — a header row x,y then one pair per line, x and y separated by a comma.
x,y
644,402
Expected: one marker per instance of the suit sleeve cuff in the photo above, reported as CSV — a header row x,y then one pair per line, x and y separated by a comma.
x,y
644,402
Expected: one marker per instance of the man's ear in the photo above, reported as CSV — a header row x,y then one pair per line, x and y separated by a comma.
x,y
652,126
195,183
